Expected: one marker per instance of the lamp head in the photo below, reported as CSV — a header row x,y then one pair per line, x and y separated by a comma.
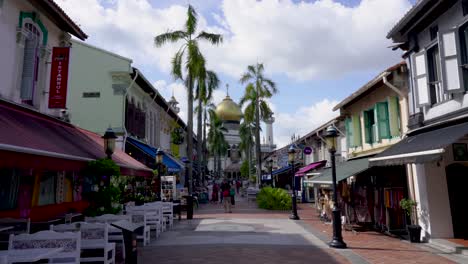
x,y
159,156
330,135
109,142
291,154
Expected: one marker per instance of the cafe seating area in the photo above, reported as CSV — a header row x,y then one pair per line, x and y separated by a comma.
x,y
74,239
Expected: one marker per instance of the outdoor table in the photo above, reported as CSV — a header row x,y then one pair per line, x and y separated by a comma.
x,y
29,255
5,228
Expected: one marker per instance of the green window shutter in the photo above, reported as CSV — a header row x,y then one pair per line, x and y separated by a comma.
x,y
367,127
357,139
349,133
383,120
394,116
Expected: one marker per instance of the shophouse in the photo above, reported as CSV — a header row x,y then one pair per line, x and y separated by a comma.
x,y
33,34
374,119
434,37
109,92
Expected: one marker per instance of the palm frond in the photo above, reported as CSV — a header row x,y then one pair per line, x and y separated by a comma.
x,y
170,36
192,20
214,39
177,65
246,77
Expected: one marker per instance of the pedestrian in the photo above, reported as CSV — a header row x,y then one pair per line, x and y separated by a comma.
x,y
214,193
238,185
232,193
225,188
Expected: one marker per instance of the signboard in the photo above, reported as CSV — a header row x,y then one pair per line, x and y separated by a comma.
x,y
307,150
59,77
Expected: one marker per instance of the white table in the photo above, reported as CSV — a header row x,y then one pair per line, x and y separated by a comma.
x,y
29,255
5,228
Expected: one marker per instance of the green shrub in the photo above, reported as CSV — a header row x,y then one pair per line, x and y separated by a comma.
x,y
274,199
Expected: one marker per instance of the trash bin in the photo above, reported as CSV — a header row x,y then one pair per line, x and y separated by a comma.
x,y
130,239
189,206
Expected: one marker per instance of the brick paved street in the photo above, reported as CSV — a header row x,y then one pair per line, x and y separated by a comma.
x,y
252,235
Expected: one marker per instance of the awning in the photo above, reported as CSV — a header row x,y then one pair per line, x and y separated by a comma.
x,y
344,170
302,171
173,166
281,170
26,132
422,147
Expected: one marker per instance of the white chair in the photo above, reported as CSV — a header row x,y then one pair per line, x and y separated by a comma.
x,y
153,217
156,217
168,213
115,234
68,241
140,217
95,236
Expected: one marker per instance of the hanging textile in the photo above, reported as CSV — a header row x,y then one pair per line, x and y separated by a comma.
x,y
60,188
47,190
9,184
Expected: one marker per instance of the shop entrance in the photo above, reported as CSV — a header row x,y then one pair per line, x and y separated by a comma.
x,y
457,182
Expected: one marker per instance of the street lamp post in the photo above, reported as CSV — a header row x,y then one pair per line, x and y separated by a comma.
x,y
188,183
291,158
109,142
337,241
159,159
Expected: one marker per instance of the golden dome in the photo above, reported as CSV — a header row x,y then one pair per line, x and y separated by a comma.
x,y
227,110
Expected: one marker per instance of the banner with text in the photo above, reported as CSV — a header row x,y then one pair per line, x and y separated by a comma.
x,y
59,77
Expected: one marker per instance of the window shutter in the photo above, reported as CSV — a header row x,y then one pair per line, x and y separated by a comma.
x,y
29,65
420,79
394,116
357,139
450,61
382,120
367,128
349,133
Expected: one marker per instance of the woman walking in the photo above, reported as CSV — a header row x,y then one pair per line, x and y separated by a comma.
x,y
225,188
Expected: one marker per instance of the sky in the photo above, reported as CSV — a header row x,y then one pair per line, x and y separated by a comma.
x,y
318,52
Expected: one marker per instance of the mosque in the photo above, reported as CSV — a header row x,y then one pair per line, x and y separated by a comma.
x,y
231,115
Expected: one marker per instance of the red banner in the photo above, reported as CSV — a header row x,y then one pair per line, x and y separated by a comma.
x,y
59,77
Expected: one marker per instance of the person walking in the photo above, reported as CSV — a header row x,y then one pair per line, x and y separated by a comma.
x,y
214,193
225,188
232,193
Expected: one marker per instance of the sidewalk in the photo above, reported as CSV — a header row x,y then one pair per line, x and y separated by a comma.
x,y
372,246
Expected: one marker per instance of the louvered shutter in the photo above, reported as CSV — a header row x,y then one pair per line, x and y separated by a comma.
x,y
420,79
450,61
29,69
349,133
382,120
357,139
367,128
394,116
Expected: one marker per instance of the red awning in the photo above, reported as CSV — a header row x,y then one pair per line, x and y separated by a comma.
x,y
27,131
302,171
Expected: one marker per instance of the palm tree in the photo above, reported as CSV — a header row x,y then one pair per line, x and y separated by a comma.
x,y
206,84
246,133
194,66
257,90
217,143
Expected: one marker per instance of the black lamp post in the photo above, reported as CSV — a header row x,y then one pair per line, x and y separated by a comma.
x,y
188,183
337,241
291,159
109,142
270,167
158,160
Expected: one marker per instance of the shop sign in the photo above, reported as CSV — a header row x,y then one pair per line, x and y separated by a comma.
x,y
59,77
307,150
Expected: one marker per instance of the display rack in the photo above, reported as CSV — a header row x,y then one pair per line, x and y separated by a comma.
x,y
168,188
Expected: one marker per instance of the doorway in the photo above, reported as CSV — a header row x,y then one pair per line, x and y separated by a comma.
x,y
457,182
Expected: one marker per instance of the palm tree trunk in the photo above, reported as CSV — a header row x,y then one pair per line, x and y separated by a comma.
x,y
257,138
190,132
199,140
205,155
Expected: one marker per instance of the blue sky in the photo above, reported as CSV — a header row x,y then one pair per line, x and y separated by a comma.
x,y
317,52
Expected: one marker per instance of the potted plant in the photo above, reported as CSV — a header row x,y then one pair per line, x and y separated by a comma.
x,y
414,231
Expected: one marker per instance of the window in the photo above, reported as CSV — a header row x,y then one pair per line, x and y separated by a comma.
x,y
369,126
353,131
383,124
464,53
465,7
30,63
436,92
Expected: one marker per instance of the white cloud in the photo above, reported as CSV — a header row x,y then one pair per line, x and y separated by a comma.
x,y
302,121
302,40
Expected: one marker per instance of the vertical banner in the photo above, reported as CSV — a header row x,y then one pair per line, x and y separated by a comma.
x,y
59,77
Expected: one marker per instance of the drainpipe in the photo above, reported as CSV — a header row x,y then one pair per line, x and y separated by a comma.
x,y
125,110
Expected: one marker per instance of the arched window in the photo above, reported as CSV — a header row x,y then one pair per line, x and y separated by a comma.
x,y
30,62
